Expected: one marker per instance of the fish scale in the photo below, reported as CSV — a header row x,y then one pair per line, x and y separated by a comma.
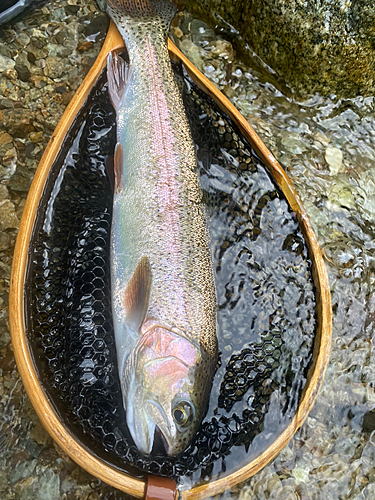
x,y
158,215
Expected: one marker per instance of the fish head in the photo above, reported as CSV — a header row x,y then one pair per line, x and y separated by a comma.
x,y
167,393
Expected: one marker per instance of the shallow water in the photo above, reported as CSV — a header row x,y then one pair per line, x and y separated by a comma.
x,y
327,147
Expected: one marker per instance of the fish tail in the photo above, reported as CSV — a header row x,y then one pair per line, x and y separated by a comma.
x,y
143,10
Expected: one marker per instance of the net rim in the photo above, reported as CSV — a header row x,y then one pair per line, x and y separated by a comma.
x,y
25,363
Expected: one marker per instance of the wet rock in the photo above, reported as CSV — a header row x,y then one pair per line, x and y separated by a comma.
x,y
20,208
40,435
294,145
54,68
7,361
35,51
4,174
333,157
368,423
4,193
21,179
18,122
6,63
97,25
22,471
323,139
202,34
11,74
72,9
5,241
9,158
300,475
102,4
23,72
49,455
18,457
8,217
4,339
6,143
58,14
36,137
5,50
22,60
224,49
6,103
194,53
22,39
327,46
65,41
59,51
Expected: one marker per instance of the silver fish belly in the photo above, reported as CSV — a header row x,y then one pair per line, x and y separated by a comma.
x,y
163,292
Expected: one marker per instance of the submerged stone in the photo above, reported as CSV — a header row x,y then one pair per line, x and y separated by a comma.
x,y
45,487
22,471
8,217
54,68
333,157
294,145
6,63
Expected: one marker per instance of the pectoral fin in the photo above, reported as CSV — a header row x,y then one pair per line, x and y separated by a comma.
x,y
119,75
137,295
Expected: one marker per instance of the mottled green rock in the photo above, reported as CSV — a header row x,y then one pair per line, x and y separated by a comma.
x,y
45,487
22,471
324,46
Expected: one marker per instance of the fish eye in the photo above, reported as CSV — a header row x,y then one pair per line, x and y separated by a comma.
x,y
183,413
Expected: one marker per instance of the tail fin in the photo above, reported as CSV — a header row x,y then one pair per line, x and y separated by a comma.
x,y
142,10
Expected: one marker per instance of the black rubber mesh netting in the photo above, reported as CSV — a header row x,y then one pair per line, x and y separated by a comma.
x,y
266,300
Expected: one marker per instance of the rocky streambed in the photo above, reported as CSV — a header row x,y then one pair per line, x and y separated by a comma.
x,y
327,147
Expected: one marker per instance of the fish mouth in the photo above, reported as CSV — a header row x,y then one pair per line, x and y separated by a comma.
x,y
160,444
142,431
151,431
164,433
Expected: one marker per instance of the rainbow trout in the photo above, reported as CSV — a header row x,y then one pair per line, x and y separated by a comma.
x,y
163,293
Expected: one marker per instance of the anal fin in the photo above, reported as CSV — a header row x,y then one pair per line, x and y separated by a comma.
x,y
137,294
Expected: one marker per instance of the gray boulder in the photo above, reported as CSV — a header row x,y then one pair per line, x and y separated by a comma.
x,y
314,45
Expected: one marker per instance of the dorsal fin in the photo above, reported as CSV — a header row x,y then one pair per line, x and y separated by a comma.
x,y
137,295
